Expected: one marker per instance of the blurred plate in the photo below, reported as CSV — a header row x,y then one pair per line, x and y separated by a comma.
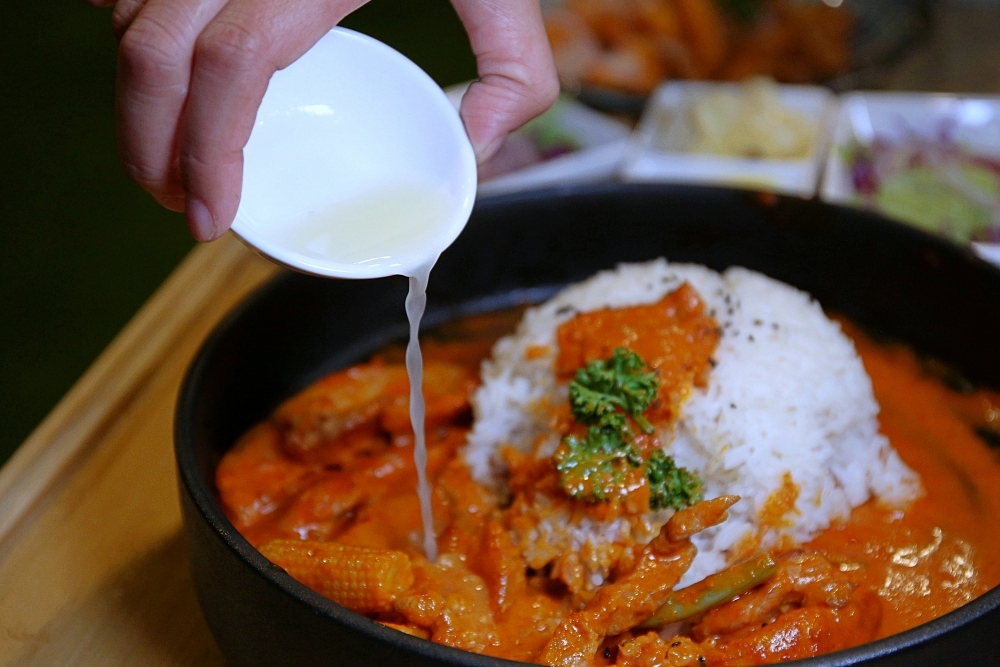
x,y
603,144
658,154
600,144
972,123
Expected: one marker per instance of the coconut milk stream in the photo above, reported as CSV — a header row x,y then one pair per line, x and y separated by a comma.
x,y
391,227
416,302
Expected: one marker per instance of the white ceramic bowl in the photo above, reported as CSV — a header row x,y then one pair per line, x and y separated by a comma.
x,y
358,165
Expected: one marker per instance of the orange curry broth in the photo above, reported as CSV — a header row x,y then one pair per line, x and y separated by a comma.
x,y
937,555
335,463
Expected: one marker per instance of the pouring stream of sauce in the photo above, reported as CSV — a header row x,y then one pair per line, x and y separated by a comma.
x,y
416,302
402,241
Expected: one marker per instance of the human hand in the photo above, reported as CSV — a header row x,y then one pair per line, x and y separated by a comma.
x,y
192,73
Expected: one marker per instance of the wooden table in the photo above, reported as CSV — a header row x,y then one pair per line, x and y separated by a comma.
x,y
93,567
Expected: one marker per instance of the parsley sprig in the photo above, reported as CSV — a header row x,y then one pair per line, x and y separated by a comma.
x,y
603,392
594,467
669,484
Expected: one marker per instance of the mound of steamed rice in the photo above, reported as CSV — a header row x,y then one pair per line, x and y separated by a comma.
x,y
788,394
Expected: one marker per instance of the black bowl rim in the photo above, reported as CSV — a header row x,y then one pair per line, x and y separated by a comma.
x,y
198,488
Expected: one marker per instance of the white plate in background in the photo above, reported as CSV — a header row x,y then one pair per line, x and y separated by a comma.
x,y
648,161
603,143
894,116
973,123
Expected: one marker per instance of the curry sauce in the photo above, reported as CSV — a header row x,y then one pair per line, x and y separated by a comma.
x,y
334,465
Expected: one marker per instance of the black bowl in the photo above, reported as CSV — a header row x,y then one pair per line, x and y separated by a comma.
x,y
891,279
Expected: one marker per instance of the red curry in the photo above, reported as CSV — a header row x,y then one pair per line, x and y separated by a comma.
x,y
326,489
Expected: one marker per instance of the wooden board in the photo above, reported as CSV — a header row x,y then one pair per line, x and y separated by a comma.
x,y
93,568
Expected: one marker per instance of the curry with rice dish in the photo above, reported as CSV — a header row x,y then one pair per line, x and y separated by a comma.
x,y
647,471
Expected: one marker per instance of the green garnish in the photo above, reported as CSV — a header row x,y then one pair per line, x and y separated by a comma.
x,y
593,468
603,392
670,485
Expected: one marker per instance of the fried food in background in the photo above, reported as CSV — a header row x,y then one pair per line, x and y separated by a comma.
x,y
632,45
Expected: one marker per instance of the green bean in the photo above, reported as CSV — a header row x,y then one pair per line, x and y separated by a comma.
x,y
713,590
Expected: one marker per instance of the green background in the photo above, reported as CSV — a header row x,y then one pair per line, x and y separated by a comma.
x,y
81,247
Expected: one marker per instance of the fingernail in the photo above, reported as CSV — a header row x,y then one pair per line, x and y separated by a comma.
x,y
176,204
200,220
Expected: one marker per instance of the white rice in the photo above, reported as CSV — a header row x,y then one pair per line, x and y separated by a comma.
x,y
789,394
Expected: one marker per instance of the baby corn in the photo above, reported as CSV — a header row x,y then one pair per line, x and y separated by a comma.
x,y
365,580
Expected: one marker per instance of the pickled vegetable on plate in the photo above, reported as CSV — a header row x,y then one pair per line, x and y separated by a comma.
x,y
932,182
